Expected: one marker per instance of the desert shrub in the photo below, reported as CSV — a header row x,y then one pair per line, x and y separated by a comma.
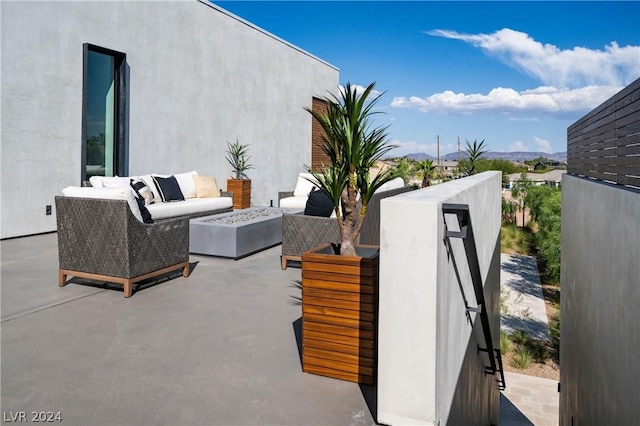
x,y
521,358
519,337
538,350
505,343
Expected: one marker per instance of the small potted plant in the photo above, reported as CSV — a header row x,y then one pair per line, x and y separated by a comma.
x,y
239,184
340,287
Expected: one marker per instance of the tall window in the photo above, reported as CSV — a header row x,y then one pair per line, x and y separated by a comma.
x,y
104,109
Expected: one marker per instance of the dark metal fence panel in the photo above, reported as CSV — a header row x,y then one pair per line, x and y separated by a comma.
x,y
605,143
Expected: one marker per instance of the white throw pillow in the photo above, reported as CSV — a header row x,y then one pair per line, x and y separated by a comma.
x,y
96,181
303,186
142,190
186,184
113,181
151,184
118,193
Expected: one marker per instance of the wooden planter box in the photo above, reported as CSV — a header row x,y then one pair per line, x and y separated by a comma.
x,y
241,189
340,314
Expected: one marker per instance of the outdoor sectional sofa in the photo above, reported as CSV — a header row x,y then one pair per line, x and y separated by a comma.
x,y
200,194
102,234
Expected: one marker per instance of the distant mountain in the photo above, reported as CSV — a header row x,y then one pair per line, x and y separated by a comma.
x,y
511,156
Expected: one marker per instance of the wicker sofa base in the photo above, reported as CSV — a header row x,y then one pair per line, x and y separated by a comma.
x,y
127,283
286,258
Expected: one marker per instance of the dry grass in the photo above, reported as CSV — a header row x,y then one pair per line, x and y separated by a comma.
x,y
516,240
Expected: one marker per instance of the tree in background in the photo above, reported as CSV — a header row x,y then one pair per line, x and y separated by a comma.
x,y
509,209
519,192
427,168
473,153
505,166
545,205
404,169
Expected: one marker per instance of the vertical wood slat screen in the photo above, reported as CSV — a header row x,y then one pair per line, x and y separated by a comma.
x,y
318,157
605,143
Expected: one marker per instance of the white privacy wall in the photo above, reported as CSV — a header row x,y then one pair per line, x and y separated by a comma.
x,y
198,77
429,371
599,327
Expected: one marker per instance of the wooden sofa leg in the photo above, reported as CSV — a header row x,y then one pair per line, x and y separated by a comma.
x,y
283,262
128,288
186,270
62,278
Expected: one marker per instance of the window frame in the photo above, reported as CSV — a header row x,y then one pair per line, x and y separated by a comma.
x,y
121,95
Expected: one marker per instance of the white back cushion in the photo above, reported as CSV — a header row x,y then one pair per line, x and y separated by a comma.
x,y
108,181
303,186
186,184
392,184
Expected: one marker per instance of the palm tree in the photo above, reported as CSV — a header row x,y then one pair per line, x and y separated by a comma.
x,y
473,154
404,169
353,146
428,169
519,191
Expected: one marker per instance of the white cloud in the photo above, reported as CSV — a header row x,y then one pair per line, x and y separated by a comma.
x,y
544,99
517,147
577,67
574,80
526,119
543,144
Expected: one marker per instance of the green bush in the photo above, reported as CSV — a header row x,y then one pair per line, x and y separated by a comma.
x,y
538,350
545,205
505,343
519,337
522,358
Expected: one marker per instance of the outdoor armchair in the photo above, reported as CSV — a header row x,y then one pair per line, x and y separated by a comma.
x,y
101,239
301,233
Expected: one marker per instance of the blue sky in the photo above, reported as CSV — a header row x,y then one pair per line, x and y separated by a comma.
x,y
515,74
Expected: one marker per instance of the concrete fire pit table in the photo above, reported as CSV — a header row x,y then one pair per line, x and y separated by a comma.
x,y
237,234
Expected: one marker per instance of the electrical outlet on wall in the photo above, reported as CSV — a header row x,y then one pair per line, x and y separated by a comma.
x,y
47,210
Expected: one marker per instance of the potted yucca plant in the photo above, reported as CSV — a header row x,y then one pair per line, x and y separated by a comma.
x,y
240,184
353,146
340,283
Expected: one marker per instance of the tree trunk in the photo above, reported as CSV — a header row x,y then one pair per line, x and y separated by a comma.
x,y
348,224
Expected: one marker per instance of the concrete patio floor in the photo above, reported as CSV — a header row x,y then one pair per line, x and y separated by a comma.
x,y
218,348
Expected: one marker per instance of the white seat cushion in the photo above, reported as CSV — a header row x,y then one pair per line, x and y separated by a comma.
x,y
189,206
294,202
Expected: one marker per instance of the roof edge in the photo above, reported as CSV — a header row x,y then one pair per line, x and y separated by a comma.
x,y
267,33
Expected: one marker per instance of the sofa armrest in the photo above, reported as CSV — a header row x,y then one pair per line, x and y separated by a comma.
x,y
102,236
370,232
301,233
284,194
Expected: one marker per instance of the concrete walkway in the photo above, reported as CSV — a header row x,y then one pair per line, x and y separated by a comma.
x,y
527,400
522,299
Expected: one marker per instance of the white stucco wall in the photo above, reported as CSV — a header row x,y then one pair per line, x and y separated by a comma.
x,y
429,371
198,77
599,327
